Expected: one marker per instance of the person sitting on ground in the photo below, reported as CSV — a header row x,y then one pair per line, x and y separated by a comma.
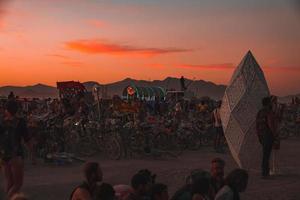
x,y
93,175
201,187
186,192
122,191
235,183
148,174
159,192
217,176
104,192
141,185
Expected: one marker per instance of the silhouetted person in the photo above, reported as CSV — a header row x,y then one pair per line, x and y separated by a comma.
x,y
278,111
13,131
93,175
159,192
265,127
235,183
141,185
11,96
217,176
218,128
104,192
182,84
193,186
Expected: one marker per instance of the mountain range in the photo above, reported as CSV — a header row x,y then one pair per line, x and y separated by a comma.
x,y
198,87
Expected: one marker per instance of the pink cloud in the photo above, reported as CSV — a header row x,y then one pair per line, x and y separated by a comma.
x,y
95,46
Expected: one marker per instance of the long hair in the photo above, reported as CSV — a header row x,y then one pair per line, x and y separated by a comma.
x,y
237,179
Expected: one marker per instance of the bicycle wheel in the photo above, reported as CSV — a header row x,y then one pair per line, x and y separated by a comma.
x,y
85,148
284,133
113,147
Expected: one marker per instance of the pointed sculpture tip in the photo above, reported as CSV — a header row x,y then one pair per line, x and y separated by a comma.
x,y
249,52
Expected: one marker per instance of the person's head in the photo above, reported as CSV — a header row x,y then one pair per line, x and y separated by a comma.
x,y
104,192
11,96
141,183
197,174
266,102
237,180
92,172
159,192
11,108
149,174
201,185
217,168
274,101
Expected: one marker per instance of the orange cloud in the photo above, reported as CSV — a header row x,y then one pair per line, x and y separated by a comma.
x,y
210,66
102,47
96,23
59,56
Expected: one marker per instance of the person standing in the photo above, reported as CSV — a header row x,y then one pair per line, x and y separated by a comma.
x,y
216,118
182,84
12,131
278,112
265,128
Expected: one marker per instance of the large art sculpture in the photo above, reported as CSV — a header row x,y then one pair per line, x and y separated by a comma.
x,y
240,104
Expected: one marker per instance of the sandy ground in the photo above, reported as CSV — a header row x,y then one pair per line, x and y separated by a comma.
x,y
44,182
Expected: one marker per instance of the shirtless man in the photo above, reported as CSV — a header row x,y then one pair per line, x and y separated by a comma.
x,y
12,131
93,176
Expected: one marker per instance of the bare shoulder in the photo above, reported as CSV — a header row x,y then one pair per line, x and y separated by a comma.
x,y
81,194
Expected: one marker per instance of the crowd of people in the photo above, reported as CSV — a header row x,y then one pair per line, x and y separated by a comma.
x,y
200,185
15,135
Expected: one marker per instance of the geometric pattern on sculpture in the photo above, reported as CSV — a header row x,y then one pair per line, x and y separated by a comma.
x,y
245,113
235,91
241,102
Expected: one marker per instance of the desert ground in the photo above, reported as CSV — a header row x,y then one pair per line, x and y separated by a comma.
x,y
49,182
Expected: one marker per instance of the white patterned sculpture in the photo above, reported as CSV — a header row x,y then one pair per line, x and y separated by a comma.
x,y
240,104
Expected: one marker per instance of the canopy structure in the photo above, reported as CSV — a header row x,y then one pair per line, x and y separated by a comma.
x,y
240,105
143,93
69,89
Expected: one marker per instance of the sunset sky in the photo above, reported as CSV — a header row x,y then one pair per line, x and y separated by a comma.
x,y
44,41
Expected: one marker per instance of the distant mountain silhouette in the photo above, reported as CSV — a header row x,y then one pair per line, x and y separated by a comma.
x,y
39,90
199,87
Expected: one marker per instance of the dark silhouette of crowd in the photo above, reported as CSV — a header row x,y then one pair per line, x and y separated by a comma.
x,y
200,185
